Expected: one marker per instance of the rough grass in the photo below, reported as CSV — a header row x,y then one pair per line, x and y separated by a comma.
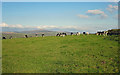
x,y
70,54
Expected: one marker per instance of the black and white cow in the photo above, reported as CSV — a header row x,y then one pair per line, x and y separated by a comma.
x,y
26,36
71,33
78,33
43,35
10,37
57,34
36,35
61,34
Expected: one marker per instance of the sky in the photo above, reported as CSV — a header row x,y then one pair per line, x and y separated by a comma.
x,y
60,0
61,16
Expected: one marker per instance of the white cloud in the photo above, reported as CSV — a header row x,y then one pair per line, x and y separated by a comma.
x,y
112,8
52,27
83,16
46,26
82,28
97,12
15,26
3,25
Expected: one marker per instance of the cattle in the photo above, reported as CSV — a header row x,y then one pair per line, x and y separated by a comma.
x,y
61,34
96,33
78,33
71,33
57,34
3,37
64,34
113,32
10,37
36,35
87,33
43,35
100,33
84,33
26,36
105,33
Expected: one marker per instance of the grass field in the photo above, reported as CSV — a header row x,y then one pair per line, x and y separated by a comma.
x,y
70,54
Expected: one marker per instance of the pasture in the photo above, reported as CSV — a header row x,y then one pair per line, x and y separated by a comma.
x,y
69,54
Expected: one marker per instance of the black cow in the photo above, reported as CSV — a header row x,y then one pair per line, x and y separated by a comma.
x,y
3,37
83,32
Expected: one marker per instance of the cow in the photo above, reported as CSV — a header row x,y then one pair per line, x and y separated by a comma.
x,y
36,35
57,34
10,37
71,33
87,33
26,36
105,33
96,33
78,33
84,33
3,37
43,35
64,34
61,34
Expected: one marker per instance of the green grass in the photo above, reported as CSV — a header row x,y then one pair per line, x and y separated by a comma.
x,y
70,54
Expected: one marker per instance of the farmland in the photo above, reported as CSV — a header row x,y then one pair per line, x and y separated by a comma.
x,y
69,54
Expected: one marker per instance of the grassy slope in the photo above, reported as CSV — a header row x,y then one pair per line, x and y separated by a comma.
x,y
71,54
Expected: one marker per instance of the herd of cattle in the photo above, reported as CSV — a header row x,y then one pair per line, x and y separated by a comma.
x,y
58,34
104,33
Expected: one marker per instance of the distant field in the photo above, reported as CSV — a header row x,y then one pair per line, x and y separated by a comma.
x,y
51,54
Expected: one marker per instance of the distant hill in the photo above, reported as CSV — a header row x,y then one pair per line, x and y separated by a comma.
x,y
8,32
35,31
13,29
20,32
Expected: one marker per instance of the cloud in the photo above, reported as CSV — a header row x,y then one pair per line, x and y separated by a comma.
x,y
27,26
46,26
51,27
97,12
87,28
112,8
15,26
40,26
83,16
3,25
